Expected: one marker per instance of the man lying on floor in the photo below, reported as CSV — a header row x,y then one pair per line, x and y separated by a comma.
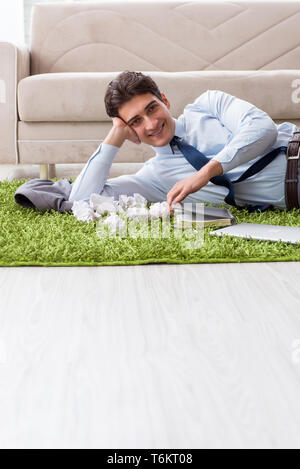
x,y
221,135
233,133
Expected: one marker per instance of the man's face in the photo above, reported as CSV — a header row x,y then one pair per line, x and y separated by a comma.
x,y
146,115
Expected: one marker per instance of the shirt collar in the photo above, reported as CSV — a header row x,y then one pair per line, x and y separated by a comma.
x,y
179,132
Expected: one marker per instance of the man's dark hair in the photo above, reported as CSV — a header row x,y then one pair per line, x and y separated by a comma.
x,y
123,88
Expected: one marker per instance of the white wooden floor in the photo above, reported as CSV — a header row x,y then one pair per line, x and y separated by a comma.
x,y
154,356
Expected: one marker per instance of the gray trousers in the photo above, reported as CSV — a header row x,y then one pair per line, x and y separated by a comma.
x,y
45,194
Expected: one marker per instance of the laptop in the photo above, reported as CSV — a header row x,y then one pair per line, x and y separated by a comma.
x,y
287,234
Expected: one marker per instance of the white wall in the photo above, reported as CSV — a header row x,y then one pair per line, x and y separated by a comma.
x,y
12,21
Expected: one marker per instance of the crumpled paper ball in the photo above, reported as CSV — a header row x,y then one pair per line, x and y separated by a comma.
x,y
82,211
119,208
115,222
132,206
101,204
137,212
159,210
106,207
96,199
137,200
178,207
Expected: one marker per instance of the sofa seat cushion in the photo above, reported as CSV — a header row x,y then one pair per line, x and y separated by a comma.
x,y
79,96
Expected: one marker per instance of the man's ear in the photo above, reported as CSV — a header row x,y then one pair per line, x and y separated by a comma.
x,y
166,102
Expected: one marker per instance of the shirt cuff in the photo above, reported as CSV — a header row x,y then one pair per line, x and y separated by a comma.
x,y
225,158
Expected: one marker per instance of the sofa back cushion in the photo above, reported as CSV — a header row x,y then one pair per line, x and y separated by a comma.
x,y
78,97
165,36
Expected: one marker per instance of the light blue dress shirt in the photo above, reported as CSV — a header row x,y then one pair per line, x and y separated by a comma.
x,y
224,128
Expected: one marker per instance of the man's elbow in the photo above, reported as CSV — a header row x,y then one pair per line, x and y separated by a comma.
x,y
265,129
271,132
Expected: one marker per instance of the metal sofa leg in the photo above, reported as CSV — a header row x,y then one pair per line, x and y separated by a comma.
x,y
44,171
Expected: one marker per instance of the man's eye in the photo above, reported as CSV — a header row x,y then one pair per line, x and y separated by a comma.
x,y
151,108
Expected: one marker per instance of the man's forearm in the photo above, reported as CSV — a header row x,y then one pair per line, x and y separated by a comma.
x,y
114,138
211,169
94,174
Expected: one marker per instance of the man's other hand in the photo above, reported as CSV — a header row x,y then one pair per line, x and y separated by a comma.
x,y
195,182
185,187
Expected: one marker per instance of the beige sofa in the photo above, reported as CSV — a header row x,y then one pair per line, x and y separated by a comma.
x,y
51,96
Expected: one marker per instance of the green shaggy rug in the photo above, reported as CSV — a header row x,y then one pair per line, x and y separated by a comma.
x,y
31,237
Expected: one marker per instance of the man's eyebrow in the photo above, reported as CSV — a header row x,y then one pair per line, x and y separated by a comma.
x,y
149,104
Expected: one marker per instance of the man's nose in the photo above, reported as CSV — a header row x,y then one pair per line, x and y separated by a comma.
x,y
150,126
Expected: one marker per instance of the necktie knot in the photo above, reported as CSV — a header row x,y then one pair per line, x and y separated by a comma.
x,y
174,142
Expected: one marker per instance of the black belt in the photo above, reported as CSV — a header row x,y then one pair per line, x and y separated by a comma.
x,y
292,171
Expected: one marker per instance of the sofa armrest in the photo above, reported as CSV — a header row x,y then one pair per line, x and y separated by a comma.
x,y
14,66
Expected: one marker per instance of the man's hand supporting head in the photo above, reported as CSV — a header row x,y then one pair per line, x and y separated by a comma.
x,y
119,132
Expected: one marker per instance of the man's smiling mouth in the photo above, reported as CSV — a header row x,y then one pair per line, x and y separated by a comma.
x,y
158,132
